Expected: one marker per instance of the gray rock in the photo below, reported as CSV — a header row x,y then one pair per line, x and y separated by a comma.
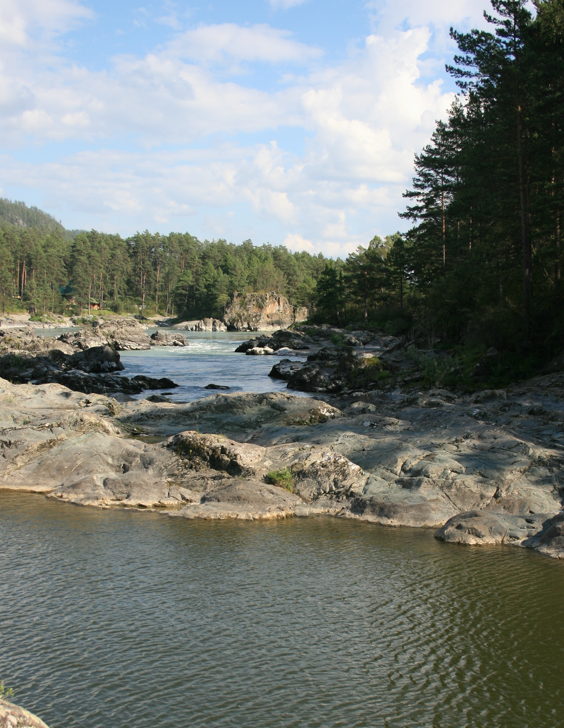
x,y
550,540
12,716
97,360
247,500
206,324
160,338
122,334
485,527
421,460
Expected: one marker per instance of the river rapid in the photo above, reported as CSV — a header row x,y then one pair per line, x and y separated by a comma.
x,y
124,619
209,358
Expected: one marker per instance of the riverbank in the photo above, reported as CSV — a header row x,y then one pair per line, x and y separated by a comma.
x,y
480,469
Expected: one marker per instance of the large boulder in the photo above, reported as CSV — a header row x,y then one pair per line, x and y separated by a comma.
x,y
486,527
97,360
160,338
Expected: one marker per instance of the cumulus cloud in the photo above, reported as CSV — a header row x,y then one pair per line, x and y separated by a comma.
x,y
363,118
234,42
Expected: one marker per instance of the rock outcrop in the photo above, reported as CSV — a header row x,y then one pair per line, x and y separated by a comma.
x,y
12,716
261,312
122,334
206,324
25,358
481,469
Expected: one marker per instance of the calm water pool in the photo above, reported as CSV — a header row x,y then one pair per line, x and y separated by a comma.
x,y
135,620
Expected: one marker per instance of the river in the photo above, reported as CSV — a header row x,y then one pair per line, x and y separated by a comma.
x,y
209,358
122,619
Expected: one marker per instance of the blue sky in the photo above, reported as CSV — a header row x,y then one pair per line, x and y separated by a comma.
x,y
285,121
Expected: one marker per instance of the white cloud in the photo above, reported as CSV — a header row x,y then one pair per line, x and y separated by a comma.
x,y
364,118
19,19
295,241
391,14
262,43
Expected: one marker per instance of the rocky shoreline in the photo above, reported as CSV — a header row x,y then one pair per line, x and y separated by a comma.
x,y
480,469
86,360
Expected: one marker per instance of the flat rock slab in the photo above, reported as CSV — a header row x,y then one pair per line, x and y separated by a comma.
x,y
482,470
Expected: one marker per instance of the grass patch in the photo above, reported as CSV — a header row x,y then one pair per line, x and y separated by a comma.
x,y
281,478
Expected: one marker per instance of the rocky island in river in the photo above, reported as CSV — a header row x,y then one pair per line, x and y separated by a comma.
x,y
478,468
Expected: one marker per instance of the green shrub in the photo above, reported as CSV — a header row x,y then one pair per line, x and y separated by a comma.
x,y
281,478
6,693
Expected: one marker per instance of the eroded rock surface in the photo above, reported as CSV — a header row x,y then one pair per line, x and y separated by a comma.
x,y
481,469
13,716
261,312
206,324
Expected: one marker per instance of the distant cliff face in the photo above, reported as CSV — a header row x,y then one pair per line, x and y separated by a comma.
x,y
261,312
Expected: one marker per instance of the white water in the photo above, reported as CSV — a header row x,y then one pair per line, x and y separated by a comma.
x,y
209,358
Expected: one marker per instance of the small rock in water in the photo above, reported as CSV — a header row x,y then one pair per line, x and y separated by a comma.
x,y
158,398
216,386
150,383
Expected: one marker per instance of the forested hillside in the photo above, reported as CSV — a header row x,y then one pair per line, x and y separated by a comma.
x,y
483,260
22,216
174,275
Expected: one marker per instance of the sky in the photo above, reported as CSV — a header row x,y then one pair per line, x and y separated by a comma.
x,y
291,122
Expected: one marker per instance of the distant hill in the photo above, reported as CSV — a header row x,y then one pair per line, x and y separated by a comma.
x,y
21,216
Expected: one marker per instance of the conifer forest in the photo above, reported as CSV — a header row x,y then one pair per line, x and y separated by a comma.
x,y
480,265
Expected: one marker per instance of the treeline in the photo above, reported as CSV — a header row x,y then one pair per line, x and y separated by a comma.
x,y
173,275
483,260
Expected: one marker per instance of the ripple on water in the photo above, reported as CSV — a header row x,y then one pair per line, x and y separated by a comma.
x,y
120,619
